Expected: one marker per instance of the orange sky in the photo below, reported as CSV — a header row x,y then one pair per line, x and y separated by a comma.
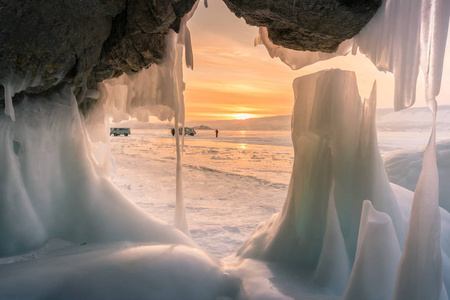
x,y
232,77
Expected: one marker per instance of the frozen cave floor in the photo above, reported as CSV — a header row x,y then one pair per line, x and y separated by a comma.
x,y
63,270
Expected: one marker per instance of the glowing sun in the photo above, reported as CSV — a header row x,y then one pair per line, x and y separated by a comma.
x,y
243,116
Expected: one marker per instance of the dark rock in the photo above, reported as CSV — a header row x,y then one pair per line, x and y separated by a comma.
x,y
83,41
313,25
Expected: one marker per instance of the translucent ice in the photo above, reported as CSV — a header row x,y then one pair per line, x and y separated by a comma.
x,y
335,145
420,273
377,257
403,37
51,186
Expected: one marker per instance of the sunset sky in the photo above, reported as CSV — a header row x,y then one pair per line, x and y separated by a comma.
x,y
231,77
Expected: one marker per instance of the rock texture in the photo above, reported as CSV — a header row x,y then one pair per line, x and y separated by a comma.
x,y
313,25
83,41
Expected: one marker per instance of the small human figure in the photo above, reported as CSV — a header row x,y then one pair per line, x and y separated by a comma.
x,y
173,131
217,133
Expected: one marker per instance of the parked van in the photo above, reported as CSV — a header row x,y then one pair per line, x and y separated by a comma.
x,y
187,130
119,131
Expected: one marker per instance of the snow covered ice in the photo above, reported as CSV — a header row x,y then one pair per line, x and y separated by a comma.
x,y
343,232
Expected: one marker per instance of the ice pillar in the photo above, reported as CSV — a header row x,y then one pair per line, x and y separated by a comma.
x,y
335,146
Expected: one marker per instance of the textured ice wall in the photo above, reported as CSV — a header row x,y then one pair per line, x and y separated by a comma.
x,y
50,185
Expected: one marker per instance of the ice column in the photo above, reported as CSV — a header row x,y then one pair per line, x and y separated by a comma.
x,y
157,91
336,160
183,41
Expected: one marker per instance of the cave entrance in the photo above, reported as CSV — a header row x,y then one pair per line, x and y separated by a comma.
x,y
233,182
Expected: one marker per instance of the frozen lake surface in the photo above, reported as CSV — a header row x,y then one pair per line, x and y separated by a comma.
x,y
231,183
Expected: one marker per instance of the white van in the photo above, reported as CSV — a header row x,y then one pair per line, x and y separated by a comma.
x,y
119,131
187,130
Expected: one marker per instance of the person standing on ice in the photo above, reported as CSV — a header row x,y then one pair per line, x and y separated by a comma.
x,y
217,133
173,131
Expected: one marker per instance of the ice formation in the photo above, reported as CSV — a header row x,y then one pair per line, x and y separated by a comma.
x,y
336,156
298,59
14,84
344,229
342,226
51,186
403,37
419,274
156,91
337,166
55,185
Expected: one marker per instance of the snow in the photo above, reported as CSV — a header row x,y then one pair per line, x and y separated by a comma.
x,y
403,168
117,271
242,191
415,119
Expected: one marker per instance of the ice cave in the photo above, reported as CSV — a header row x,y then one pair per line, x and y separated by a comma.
x,y
68,68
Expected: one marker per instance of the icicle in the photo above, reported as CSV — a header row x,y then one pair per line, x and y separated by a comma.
x,y
403,36
419,274
433,37
298,59
180,220
184,37
15,84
